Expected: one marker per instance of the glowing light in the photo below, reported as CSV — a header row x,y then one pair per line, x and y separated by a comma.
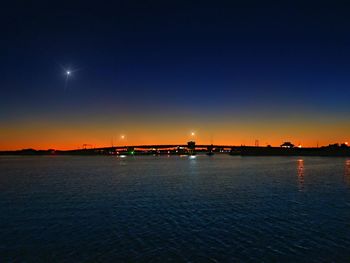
x,y
193,134
299,146
193,157
68,73
122,137
346,143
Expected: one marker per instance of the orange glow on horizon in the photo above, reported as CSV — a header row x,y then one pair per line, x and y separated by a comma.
x,y
44,135
77,144
65,141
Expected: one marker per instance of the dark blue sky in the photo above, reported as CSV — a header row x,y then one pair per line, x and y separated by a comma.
x,y
160,59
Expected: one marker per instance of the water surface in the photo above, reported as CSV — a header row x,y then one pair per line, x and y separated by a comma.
x,y
207,209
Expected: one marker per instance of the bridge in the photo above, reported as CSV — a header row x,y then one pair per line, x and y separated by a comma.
x,y
189,148
166,146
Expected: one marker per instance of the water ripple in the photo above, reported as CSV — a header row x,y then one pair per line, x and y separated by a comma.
x,y
156,209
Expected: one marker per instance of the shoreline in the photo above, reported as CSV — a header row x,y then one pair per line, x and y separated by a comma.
x,y
328,151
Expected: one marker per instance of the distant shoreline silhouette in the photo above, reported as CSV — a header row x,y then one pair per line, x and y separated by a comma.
x,y
286,149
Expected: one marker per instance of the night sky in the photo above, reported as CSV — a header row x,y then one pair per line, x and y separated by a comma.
x,y
156,71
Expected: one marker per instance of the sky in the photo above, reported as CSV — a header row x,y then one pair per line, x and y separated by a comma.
x,y
155,71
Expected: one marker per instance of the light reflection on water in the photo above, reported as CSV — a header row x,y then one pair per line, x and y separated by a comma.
x,y
347,172
219,208
300,168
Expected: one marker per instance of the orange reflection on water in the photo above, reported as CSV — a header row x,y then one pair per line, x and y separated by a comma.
x,y
300,171
347,172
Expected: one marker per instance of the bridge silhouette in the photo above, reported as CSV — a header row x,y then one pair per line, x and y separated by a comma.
x,y
166,146
189,148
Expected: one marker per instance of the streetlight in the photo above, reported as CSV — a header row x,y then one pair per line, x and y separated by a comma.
x,y
192,136
123,139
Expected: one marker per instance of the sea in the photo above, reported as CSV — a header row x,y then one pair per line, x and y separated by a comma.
x,y
201,208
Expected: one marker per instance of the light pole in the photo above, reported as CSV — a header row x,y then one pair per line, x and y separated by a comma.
x,y
192,145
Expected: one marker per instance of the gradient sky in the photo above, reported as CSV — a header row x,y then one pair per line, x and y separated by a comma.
x,y
157,70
